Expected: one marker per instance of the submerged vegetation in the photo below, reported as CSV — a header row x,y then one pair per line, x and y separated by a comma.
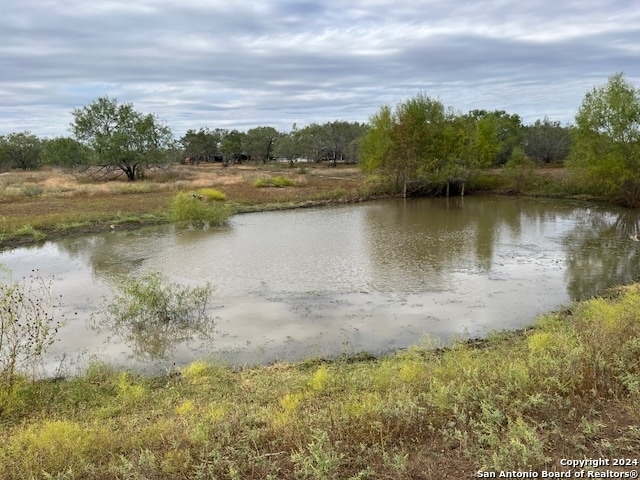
x,y
569,387
154,314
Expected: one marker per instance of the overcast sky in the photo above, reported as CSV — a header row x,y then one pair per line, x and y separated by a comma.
x,y
245,63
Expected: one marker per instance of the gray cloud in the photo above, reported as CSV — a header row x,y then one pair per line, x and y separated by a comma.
x,y
239,64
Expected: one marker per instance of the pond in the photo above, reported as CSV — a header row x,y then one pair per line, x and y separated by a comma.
x,y
373,277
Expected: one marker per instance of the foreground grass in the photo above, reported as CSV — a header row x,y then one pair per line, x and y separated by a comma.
x,y
567,388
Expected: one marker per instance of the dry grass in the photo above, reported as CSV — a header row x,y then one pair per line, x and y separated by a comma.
x,y
52,201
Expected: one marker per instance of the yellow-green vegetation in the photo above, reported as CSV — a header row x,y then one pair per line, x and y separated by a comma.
x,y
52,202
212,195
567,388
278,181
192,208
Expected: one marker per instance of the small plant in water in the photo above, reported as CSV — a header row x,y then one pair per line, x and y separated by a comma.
x,y
153,314
194,208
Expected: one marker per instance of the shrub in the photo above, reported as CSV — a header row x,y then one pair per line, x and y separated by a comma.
x,y
211,195
278,181
189,209
29,322
154,314
519,170
32,190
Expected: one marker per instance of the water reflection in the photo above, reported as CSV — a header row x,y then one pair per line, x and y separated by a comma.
x,y
600,253
421,245
155,339
113,253
373,276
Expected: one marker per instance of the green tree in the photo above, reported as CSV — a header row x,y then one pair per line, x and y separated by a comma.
x,y
420,139
378,148
340,137
21,150
606,141
232,145
260,143
498,134
424,145
289,145
313,142
547,142
65,152
417,145
122,139
203,144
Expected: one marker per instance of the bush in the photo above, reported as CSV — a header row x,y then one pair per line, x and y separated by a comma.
x,y
211,195
154,315
32,190
189,208
278,181
29,322
519,171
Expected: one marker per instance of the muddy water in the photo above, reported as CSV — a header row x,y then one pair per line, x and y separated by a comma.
x,y
318,282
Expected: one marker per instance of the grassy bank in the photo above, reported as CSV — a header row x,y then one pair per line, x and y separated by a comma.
x,y
40,204
567,388
48,203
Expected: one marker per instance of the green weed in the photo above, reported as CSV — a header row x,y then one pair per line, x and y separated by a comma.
x,y
212,195
29,231
189,209
319,460
278,181
153,314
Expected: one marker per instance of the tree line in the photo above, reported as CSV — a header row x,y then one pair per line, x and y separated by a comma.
x,y
336,141
420,143
117,138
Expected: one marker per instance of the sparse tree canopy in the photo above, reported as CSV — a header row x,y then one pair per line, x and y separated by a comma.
x,y
606,148
332,141
121,138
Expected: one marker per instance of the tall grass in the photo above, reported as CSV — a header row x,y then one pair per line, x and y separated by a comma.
x,y
515,401
278,181
190,208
